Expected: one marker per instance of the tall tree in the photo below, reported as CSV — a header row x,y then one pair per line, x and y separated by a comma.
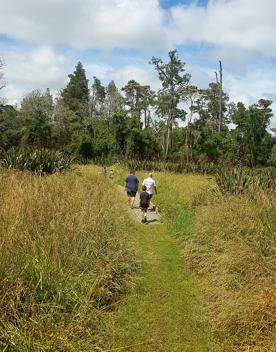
x,y
174,82
97,98
193,95
133,99
66,123
220,102
147,100
114,100
212,109
36,114
253,141
76,94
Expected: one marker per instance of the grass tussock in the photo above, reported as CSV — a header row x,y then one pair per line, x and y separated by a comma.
x,y
64,260
229,243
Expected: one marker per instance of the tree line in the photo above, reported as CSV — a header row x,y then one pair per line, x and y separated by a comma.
x,y
93,121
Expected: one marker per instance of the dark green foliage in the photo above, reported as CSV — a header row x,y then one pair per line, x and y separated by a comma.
x,y
39,161
10,127
177,167
101,123
36,112
76,94
253,141
82,147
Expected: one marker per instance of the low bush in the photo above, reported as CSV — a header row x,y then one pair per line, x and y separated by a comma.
x,y
39,161
240,180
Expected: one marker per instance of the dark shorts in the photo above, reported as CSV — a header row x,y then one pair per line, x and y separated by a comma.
x,y
144,207
131,193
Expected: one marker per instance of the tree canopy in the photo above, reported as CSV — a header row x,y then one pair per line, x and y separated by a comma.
x,y
179,121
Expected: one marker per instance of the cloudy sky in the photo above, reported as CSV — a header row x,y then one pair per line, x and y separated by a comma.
x,y
42,40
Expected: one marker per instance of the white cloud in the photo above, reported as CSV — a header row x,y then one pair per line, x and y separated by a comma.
x,y
235,29
106,73
104,24
235,24
232,25
25,71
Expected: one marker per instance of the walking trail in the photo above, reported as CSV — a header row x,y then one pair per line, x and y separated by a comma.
x,y
161,313
153,217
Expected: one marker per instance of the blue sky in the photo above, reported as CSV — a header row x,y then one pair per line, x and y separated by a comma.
x,y
41,42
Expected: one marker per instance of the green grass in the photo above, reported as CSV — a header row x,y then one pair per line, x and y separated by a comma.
x,y
162,313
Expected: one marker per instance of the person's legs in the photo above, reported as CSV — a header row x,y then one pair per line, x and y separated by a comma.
x,y
151,205
144,215
133,195
129,198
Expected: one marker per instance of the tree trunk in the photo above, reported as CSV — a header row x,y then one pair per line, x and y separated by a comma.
x,y
220,96
145,118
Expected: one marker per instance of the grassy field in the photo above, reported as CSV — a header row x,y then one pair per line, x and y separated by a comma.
x,y
79,274
229,244
229,247
66,258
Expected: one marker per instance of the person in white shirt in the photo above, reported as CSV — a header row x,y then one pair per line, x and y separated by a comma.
x,y
151,186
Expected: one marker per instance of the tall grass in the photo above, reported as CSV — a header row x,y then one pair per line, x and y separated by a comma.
x,y
229,244
177,167
64,260
233,251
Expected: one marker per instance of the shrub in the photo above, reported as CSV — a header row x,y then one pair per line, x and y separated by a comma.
x,y
240,180
39,161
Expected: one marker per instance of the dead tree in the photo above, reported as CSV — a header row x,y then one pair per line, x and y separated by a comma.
x,y
220,96
2,82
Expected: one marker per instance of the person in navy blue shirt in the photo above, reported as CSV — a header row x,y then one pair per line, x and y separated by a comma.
x,y
131,187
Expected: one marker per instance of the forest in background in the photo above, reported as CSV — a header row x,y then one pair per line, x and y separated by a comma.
x,y
90,121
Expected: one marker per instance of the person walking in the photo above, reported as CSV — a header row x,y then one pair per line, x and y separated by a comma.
x,y
104,170
131,187
144,204
150,187
111,175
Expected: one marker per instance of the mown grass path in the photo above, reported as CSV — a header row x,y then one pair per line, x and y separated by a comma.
x,y
161,314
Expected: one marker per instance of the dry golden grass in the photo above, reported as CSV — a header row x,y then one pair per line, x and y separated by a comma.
x,y
64,260
232,250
